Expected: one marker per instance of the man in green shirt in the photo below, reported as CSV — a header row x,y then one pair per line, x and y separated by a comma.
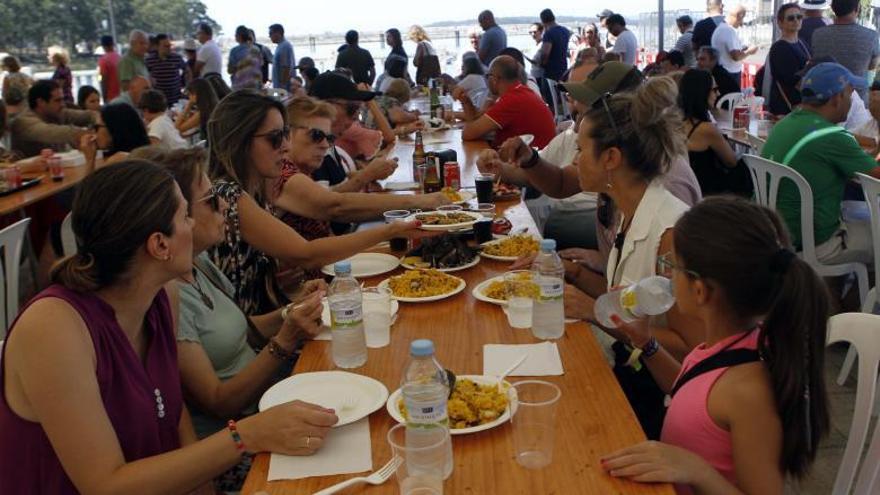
x,y
809,141
132,64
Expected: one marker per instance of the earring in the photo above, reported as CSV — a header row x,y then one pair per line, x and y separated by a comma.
x,y
608,184
167,258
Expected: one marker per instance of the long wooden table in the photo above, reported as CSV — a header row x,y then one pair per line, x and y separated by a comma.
x,y
594,417
46,188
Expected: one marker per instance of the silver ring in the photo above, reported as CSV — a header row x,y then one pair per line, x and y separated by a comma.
x,y
308,442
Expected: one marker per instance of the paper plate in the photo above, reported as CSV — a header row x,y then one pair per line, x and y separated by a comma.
x,y
367,265
330,389
461,285
394,399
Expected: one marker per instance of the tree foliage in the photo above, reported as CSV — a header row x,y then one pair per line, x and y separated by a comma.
x,y
40,23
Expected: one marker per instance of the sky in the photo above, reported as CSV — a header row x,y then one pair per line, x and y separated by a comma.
x,y
315,17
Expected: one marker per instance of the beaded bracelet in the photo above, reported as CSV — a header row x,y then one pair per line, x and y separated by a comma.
x,y
233,430
277,351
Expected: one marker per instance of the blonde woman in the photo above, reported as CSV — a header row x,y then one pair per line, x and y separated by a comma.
x,y
426,61
63,76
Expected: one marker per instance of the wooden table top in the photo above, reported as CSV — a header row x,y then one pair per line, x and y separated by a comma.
x,y
47,187
594,417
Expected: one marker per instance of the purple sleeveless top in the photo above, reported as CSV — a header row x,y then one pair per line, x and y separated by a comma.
x,y
28,463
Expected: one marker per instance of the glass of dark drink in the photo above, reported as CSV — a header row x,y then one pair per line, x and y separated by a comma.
x,y
483,230
484,183
397,243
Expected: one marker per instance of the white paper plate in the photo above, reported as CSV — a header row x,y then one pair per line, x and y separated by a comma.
x,y
329,389
473,262
461,285
475,217
325,318
367,265
502,258
392,406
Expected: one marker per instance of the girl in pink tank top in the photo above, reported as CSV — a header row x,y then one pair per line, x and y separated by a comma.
x,y
748,407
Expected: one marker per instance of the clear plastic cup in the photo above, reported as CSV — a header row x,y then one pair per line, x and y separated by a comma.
x,y
377,316
534,404
421,472
486,209
519,291
397,243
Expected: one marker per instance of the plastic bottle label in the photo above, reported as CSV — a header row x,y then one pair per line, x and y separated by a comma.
x,y
426,413
551,288
348,317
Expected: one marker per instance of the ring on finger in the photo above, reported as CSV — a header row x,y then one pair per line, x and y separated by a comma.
x,y
309,442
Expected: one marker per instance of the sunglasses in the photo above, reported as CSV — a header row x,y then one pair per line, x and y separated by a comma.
x,y
212,199
794,17
276,137
317,135
617,134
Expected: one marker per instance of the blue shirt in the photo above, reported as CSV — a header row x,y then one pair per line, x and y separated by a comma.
x,y
492,42
236,54
557,60
283,59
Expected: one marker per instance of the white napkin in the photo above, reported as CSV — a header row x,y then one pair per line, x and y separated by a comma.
x,y
543,359
346,450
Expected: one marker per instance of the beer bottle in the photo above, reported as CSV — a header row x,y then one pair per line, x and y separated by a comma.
x,y
435,98
432,177
418,157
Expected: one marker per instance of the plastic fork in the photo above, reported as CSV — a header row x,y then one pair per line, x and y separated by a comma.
x,y
377,478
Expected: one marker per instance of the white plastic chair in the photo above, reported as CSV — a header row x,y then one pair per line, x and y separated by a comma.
x,y
756,143
11,243
68,238
862,332
766,175
731,98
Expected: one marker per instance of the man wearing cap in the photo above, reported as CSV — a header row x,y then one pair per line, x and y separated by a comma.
x,y
705,28
356,59
603,18
551,170
852,46
809,141
518,110
107,69
814,19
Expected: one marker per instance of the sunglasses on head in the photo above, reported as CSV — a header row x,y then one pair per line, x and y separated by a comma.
x,y
276,137
212,199
317,135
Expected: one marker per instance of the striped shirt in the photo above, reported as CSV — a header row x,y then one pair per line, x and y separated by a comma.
x,y
167,74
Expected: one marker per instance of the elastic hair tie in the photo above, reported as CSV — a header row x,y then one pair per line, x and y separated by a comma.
x,y
780,260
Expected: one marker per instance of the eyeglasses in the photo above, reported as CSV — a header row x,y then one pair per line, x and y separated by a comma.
x,y
276,137
317,135
794,17
212,199
665,267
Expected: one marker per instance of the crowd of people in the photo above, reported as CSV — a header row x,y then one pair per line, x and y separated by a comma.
x,y
200,230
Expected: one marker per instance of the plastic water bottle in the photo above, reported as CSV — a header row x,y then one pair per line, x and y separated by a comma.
x,y
548,313
425,390
347,318
648,297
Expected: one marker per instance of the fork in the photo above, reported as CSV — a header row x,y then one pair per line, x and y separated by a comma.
x,y
377,478
348,403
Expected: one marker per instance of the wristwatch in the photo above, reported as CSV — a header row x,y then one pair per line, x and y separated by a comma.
x,y
532,161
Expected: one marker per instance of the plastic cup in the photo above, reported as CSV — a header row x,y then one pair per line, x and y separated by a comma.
x,y
424,460
486,209
485,184
377,316
534,422
397,243
519,293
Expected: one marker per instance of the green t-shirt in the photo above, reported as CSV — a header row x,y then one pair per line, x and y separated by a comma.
x,y
222,332
826,163
130,66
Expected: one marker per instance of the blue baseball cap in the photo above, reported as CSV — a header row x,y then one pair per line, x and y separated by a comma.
x,y
826,80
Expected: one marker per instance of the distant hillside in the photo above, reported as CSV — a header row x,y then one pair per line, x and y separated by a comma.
x,y
515,20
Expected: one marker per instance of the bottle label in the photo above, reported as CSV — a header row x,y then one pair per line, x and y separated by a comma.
x,y
426,414
551,288
346,317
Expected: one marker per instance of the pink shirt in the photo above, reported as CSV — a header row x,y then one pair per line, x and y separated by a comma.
x,y
358,140
688,424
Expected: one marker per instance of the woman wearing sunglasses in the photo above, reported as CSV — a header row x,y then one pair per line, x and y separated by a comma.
x,y
117,132
222,375
749,406
92,399
787,57
249,140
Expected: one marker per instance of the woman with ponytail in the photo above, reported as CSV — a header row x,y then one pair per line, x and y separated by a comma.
x,y
749,405
92,400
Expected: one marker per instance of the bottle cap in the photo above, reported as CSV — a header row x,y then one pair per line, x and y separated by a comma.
x,y
421,347
342,267
548,245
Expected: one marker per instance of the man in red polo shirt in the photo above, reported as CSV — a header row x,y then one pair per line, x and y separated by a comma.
x,y
517,111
